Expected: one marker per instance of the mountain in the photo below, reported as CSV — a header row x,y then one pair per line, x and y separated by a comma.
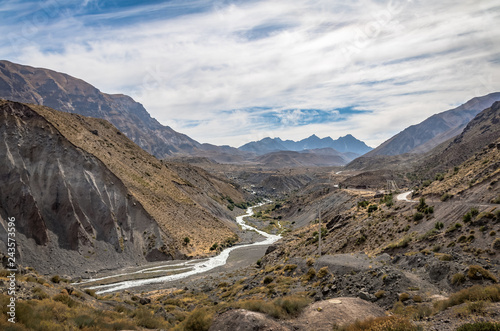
x,y
85,197
481,133
324,157
65,93
422,137
346,144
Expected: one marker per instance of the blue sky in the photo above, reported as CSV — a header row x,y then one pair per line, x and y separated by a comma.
x,y
229,72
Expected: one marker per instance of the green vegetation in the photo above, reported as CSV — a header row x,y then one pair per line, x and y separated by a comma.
x,y
480,326
474,293
473,212
478,272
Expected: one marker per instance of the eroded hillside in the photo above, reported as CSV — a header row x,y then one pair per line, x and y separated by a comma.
x,y
88,198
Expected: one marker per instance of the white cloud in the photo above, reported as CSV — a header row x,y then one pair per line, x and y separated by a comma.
x,y
404,60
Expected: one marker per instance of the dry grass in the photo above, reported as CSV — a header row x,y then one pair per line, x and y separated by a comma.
x,y
386,323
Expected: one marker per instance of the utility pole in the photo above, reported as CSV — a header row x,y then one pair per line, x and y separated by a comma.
x,y
319,232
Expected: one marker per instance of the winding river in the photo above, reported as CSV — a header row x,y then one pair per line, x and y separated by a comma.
x,y
183,269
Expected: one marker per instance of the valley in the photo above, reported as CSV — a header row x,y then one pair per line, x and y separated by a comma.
x,y
119,232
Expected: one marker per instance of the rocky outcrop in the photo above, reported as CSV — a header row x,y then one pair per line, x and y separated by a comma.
x,y
86,198
66,200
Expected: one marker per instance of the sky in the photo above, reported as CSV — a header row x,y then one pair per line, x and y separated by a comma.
x,y
230,72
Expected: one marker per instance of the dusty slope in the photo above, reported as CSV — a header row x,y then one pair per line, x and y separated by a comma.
x,y
77,184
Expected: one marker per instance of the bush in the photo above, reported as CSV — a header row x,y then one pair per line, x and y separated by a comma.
x,y
55,279
64,298
404,296
496,243
474,293
91,293
39,294
389,323
199,320
372,208
418,216
84,321
311,273
458,279
214,246
290,267
478,272
268,280
322,272
446,196
363,204
480,326
439,177
439,225
285,307
146,319
379,294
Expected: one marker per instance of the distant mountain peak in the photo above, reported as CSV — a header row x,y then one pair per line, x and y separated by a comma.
x,y
346,144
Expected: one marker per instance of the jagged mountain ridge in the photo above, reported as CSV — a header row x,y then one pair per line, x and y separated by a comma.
x,y
65,93
438,128
87,198
346,144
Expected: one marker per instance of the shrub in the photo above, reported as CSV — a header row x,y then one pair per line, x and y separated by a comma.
x,y
310,261
404,296
311,273
290,267
84,321
439,225
292,305
380,323
39,294
474,307
268,280
418,216
199,320
91,292
417,298
285,307
474,293
454,227
55,279
64,298
146,319
480,326
446,196
496,243
214,246
379,294
439,177
457,279
372,208
444,257
478,272
363,204
322,272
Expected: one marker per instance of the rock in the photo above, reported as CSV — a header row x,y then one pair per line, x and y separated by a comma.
x,y
144,301
366,296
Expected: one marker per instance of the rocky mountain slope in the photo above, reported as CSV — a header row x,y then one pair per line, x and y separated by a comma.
x,y
422,137
85,197
346,144
65,93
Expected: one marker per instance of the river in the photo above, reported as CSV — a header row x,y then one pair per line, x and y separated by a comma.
x,y
182,269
